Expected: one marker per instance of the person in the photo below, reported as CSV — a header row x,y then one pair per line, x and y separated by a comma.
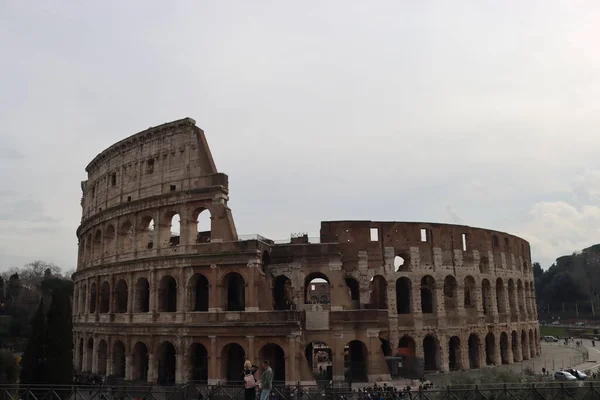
x,y
266,383
249,381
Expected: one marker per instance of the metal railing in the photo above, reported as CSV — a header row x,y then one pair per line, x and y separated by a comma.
x,y
580,390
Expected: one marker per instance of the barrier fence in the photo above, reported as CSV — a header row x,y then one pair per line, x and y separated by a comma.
x,y
543,391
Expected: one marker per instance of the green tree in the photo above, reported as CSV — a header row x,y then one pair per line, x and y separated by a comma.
x,y
31,361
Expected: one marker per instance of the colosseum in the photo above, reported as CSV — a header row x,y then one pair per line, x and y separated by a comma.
x,y
167,292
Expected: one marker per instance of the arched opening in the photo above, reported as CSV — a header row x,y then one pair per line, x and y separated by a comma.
x,y
203,226
142,296
521,297
399,264
428,295
89,353
276,357
97,245
386,347
378,293
167,294
109,240
140,362
473,351
500,296
119,359
406,346
512,296
353,292
80,356
235,289
175,231
93,298
490,349
232,361
514,339
82,299
403,295
504,348
102,357
531,344
450,293
121,297
266,261
355,361
486,297
319,357
104,298
454,354
431,353
282,293
470,296
166,364
198,288
524,346
198,359
145,234
125,237
317,289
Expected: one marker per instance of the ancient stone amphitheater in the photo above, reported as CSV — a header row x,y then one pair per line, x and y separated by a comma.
x,y
166,290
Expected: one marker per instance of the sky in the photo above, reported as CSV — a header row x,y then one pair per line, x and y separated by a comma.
x,y
482,113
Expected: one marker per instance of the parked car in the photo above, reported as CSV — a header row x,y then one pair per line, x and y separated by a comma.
x,y
564,376
577,374
550,339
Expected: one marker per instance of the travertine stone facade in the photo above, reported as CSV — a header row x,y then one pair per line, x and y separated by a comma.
x,y
156,302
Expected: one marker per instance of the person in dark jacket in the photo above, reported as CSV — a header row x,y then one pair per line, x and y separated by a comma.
x,y
250,381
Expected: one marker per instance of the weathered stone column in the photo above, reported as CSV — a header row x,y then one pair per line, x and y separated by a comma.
x,y
497,350
291,360
214,374
443,352
439,307
251,355
214,291
95,356
179,378
251,300
338,357
481,353
128,367
152,368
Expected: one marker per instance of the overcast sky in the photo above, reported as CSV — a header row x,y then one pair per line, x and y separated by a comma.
x,y
483,113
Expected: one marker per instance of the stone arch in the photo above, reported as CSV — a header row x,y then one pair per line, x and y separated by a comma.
x,y
428,303
403,295
93,296
140,362
531,344
109,241
234,291
142,296
199,293
316,287
353,288
521,297
104,298
121,296
173,221
320,360
490,349
89,350
514,339
454,354
80,355
232,362
125,239
118,358
407,346
356,361
504,348
97,251
400,264
145,233
500,296
167,364
486,297
524,345
203,231
102,357
379,293
167,294
198,363
473,351
431,353
512,296
450,293
276,357
282,293
470,297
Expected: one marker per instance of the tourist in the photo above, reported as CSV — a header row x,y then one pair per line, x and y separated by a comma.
x,y
249,380
266,383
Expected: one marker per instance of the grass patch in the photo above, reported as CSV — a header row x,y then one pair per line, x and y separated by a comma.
x,y
555,331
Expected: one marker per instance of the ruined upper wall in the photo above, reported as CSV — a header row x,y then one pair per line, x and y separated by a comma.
x,y
170,157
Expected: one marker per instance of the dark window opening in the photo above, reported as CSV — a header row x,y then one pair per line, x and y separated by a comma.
x,y
150,166
128,198
173,188
113,179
